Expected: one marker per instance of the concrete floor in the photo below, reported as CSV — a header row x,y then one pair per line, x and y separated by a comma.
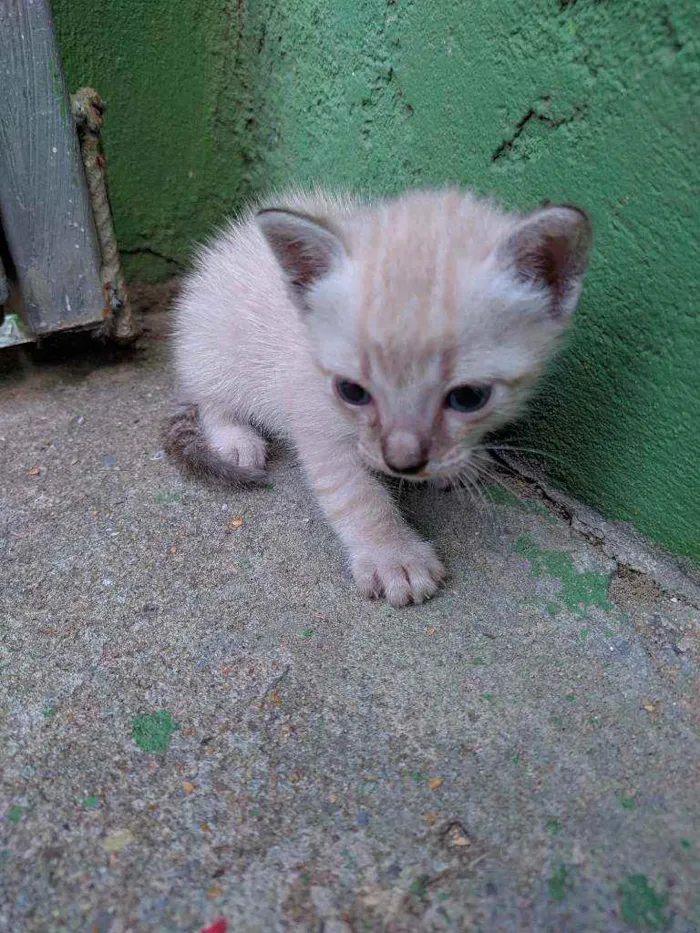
x,y
200,720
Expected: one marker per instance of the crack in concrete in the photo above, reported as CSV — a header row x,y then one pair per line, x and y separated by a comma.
x,y
625,546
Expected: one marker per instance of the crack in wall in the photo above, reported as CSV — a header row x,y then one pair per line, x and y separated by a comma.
x,y
148,251
669,26
506,147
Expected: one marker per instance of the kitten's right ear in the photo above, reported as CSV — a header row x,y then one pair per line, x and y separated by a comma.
x,y
551,249
306,249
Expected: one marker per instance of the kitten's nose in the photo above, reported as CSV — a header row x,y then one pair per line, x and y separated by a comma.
x,y
404,452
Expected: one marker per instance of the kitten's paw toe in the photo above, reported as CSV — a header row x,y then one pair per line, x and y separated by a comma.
x,y
240,445
403,574
251,451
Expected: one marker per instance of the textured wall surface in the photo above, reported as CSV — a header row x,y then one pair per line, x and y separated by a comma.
x,y
590,101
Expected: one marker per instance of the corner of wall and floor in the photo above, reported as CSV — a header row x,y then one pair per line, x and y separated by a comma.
x,y
575,100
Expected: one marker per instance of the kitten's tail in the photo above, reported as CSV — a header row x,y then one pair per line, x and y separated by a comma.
x,y
186,444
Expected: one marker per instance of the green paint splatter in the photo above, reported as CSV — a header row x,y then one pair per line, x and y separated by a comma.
x,y
269,486
255,811
152,732
418,777
478,662
488,696
583,634
571,697
305,877
419,887
91,803
628,803
50,712
15,814
307,633
169,497
557,720
686,843
559,883
499,495
642,908
579,591
553,827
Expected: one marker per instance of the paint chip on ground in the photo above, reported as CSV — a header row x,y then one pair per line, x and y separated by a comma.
x,y
152,732
117,840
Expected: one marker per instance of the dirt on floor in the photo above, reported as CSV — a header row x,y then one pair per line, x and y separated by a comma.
x,y
204,727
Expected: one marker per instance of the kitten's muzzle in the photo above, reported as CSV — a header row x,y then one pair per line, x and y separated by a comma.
x,y
405,452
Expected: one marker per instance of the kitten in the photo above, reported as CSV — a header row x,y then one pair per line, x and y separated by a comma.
x,y
379,338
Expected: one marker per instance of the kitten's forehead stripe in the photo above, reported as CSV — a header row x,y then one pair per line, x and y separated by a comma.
x,y
365,363
410,253
447,364
370,265
435,306
453,203
381,268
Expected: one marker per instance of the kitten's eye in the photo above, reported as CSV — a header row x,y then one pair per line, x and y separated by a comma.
x,y
352,392
468,398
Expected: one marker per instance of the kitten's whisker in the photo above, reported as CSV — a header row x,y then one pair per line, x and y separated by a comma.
x,y
492,476
473,486
495,448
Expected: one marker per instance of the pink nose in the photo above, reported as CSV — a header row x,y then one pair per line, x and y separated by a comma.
x,y
404,452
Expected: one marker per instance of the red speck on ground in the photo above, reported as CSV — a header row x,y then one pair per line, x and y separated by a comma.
x,y
219,927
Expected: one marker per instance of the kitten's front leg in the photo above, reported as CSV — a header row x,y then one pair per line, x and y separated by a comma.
x,y
387,557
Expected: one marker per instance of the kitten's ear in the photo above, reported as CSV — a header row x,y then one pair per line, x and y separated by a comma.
x,y
305,248
551,248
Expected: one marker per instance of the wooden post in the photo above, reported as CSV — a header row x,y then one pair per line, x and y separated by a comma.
x,y
44,200
4,285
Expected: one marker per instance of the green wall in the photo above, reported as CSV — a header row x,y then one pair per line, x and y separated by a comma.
x,y
589,101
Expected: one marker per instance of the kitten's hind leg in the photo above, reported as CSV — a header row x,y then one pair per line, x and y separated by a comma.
x,y
210,445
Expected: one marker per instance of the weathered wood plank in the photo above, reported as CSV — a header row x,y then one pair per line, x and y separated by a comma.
x,y
43,196
4,285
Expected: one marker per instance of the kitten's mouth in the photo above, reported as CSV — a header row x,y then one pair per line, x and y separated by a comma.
x,y
422,476
376,466
431,472
425,475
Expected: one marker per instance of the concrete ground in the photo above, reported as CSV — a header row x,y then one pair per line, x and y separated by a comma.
x,y
201,721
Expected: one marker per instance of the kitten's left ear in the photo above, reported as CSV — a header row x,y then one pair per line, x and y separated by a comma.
x,y
306,249
551,248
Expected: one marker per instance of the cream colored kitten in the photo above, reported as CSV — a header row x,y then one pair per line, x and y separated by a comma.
x,y
378,338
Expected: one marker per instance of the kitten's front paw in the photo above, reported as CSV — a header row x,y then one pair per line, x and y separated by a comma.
x,y
402,572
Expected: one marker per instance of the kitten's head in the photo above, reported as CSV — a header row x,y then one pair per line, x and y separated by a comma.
x,y
431,316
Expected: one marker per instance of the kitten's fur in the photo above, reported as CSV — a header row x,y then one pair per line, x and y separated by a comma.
x,y
409,298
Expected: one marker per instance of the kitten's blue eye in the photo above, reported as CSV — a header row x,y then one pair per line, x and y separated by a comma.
x,y
352,392
468,398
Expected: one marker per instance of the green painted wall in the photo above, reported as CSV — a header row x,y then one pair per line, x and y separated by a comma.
x,y
591,101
